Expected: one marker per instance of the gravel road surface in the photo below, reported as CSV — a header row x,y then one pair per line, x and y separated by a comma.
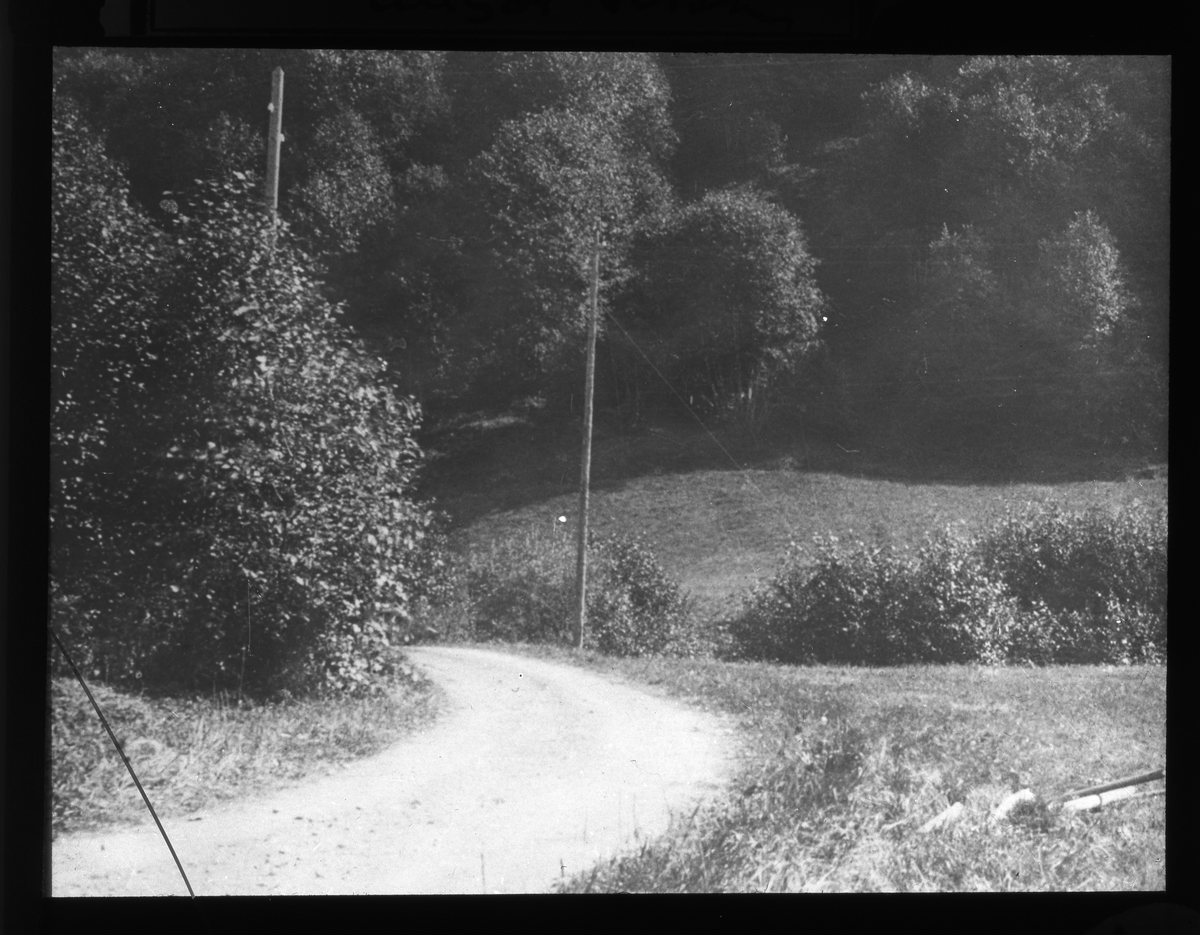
x,y
534,770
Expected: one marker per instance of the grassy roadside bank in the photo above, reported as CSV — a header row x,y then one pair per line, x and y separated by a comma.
x,y
191,753
841,767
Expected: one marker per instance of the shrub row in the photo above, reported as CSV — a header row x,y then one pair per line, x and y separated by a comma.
x,y
1044,586
524,590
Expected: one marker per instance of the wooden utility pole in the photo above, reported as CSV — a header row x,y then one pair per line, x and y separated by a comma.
x,y
274,138
585,473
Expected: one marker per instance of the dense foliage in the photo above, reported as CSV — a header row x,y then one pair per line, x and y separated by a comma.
x,y
354,122
992,232
579,170
232,503
635,608
725,301
988,201
525,590
1043,587
520,590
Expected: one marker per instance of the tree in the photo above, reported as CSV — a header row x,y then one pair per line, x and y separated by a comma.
x,y
745,118
1012,148
1119,387
1083,271
242,517
360,178
726,299
553,178
724,107
964,362
354,123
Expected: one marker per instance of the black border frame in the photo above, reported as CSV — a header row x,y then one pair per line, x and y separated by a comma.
x,y
870,25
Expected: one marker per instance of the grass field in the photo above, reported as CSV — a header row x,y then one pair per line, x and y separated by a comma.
x,y
718,530
842,766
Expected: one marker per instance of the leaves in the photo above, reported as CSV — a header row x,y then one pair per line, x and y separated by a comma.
x,y
1084,272
572,165
1045,587
727,296
209,444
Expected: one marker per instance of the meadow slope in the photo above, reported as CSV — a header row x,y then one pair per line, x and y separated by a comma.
x,y
718,532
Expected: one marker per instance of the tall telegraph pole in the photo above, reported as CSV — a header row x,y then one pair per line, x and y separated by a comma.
x,y
585,473
274,138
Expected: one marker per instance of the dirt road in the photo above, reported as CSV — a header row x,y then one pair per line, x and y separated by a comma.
x,y
534,771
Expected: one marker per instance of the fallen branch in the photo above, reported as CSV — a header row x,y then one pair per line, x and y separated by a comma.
x,y
1119,783
1117,791
1088,802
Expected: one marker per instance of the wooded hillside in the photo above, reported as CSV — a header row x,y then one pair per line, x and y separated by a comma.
x,y
941,251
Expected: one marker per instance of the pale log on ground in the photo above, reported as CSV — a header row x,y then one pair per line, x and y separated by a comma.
x,y
1089,802
534,771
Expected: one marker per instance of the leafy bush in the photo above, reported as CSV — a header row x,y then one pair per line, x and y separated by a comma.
x,y
635,608
851,605
810,613
232,490
725,298
521,589
1135,633
952,603
524,589
1043,587
1097,579
1032,635
855,603
439,604
1079,561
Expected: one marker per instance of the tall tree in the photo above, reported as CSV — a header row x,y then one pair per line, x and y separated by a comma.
x,y
589,160
725,297
1013,148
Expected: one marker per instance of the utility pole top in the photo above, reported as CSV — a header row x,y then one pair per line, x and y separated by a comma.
x,y
274,138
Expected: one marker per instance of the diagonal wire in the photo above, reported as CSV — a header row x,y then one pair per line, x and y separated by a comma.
x,y
692,412
124,759
716,441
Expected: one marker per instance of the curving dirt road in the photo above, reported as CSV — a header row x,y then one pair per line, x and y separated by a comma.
x,y
535,770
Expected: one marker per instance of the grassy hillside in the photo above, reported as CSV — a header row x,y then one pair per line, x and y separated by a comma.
x,y
719,528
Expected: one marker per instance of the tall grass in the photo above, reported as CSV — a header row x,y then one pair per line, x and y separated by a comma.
x,y
192,752
842,766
